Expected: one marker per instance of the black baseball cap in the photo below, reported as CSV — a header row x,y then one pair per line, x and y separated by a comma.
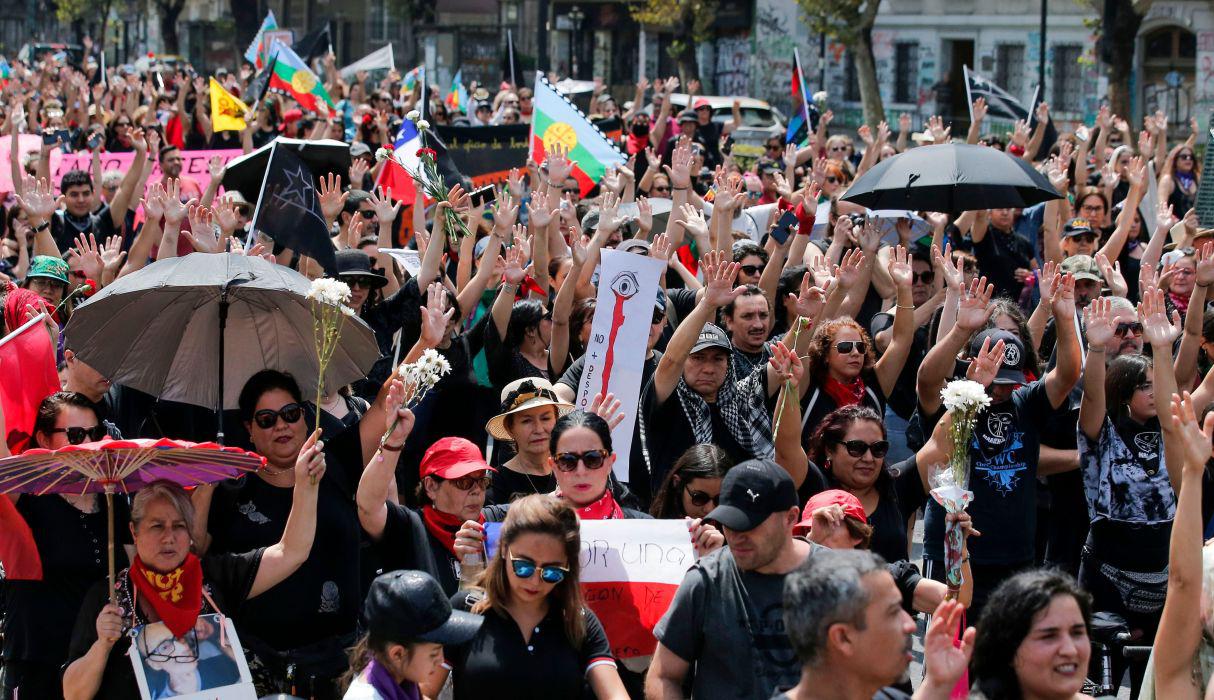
x,y
410,606
711,336
751,492
1077,227
1012,371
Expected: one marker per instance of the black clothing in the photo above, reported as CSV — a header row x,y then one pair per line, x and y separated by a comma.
x,y
817,404
65,227
900,492
1000,254
508,485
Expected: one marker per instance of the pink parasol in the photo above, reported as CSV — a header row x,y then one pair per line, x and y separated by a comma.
x,y
112,466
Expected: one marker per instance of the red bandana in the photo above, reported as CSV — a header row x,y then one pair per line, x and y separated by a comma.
x,y
603,509
176,596
443,526
844,394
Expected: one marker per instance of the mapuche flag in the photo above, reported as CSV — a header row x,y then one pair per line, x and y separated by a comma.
x,y
291,77
288,208
557,122
805,114
227,112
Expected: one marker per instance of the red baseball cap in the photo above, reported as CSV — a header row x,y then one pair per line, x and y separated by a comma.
x,y
702,102
453,457
831,497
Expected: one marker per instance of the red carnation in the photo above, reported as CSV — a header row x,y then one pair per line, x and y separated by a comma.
x,y
89,288
422,152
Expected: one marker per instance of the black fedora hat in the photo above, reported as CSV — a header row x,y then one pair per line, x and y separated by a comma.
x,y
355,264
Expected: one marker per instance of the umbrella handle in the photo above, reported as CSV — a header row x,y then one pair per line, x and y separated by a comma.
x,y
109,510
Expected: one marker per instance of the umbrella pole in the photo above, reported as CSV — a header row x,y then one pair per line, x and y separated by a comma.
x,y
109,513
223,323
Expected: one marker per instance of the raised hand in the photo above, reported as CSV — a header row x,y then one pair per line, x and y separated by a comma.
x,y
174,208
943,662
385,209
514,272
660,248
1156,328
514,182
153,202
609,212
1098,324
539,210
39,201
848,272
719,276
679,169
225,216
435,316
974,308
1045,280
608,408
89,257
984,367
954,275
112,255
822,273
559,165
693,220
1205,264
870,236
788,367
310,464
979,109
900,268
809,302
202,234
332,199
644,216
1062,301
1196,433
357,171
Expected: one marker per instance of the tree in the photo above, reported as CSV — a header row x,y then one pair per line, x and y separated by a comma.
x,y
689,21
851,23
1118,28
169,11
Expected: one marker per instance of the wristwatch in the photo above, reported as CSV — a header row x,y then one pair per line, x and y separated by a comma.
x,y
42,226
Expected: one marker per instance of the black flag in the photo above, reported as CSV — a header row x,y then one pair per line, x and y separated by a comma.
x,y
314,44
288,208
512,67
260,82
999,103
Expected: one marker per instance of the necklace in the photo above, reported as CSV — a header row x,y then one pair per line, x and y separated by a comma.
x,y
270,471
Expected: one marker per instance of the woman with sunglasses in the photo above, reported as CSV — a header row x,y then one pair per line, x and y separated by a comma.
x,y
538,640
70,534
529,410
1181,175
313,617
693,486
1126,479
848,450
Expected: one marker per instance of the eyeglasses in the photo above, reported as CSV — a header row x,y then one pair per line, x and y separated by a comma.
x,y
661,189
753,269
163,652
773,146
465,483
845,347
1184,156
699,499
832,179
1092,207
1125,328
568,461
570,190
358,282
924,277
838,148
367,213
525,568
857,448
266,419
1085,238
77,434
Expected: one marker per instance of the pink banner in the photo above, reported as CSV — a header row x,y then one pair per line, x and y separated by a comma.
x,y
26,143
194,163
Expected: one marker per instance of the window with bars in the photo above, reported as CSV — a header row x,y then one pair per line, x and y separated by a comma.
x,y
1009,68
1067,90
906,71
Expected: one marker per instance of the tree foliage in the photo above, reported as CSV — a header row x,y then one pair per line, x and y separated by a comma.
x,y
688,21
850,22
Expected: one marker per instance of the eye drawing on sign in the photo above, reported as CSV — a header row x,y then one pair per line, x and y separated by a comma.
x,y
624,286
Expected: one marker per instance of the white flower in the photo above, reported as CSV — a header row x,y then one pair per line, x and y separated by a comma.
x,y
329,291
820,97
435,363
964,395
423,124
382,154
413,115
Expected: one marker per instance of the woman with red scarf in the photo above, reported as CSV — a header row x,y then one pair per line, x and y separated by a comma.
x,y
843,368
454,477
168,583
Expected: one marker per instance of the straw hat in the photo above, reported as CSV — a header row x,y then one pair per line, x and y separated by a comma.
x,y
521,395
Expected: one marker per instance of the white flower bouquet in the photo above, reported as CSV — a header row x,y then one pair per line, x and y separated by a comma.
x,y
964,399
329,298
419,378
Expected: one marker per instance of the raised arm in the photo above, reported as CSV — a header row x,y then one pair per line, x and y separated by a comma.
x,y
790,453
1062,378
1137,173
1098,322
978,112
937,366
889,367
1161,333
1186,358
513,276
121,202
562,307
373,487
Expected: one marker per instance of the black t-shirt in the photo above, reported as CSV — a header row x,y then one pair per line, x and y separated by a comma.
x,y
407,544
508,485
65,227
999,255
668,433
902,399
900,492
227,578
498,663
507,364
322,598
1003,457
38,615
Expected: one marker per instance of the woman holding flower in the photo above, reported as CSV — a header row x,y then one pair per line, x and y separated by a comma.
x,y
1126,473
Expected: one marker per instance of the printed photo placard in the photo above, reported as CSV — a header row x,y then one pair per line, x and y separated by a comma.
x,y
201,665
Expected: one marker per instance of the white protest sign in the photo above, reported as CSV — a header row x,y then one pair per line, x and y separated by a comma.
x,y
619,340
630,570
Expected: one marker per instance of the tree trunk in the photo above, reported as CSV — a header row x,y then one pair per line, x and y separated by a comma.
x,y
683,50
866,76
169,12
1120,29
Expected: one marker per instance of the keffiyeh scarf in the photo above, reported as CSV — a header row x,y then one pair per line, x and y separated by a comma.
x,y
743,410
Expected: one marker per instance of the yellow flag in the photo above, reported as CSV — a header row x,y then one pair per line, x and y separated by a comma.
x,y
227,112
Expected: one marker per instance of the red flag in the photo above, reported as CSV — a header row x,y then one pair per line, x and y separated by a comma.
x,y
18,553
27,353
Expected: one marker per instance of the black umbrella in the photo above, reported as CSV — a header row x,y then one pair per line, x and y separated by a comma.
x,y
323,156
193,329
951,178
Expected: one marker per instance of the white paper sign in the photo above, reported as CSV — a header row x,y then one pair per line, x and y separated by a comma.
x,y
411,260
619,339
202,665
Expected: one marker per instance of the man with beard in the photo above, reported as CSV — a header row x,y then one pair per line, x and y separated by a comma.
x,y
748,321
844,618
170,165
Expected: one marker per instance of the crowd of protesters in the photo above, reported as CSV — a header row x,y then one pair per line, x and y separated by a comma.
x,y
355,566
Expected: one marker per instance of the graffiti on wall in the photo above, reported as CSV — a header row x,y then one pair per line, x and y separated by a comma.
x,y
733,66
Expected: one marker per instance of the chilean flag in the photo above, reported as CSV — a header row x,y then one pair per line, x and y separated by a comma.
x,y
395,173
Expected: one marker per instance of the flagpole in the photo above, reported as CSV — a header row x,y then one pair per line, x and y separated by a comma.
x,y
796,57
22,329
510,58
969,98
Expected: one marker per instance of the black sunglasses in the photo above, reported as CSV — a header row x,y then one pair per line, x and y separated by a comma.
x,y
1185,156
752,269
832,179
465,483
661,189
367,213
844,347
568,461
699,499
1123,328
266,419
925,277
857,448
525,568
77,434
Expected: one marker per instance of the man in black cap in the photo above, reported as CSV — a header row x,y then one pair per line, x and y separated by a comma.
x,y
410,615
1005,451
727,616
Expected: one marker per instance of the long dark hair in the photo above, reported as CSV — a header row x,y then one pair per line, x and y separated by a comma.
x,y
525,315
53,405
833,428
789,283
1125,374
703,461
1006,621
580,419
